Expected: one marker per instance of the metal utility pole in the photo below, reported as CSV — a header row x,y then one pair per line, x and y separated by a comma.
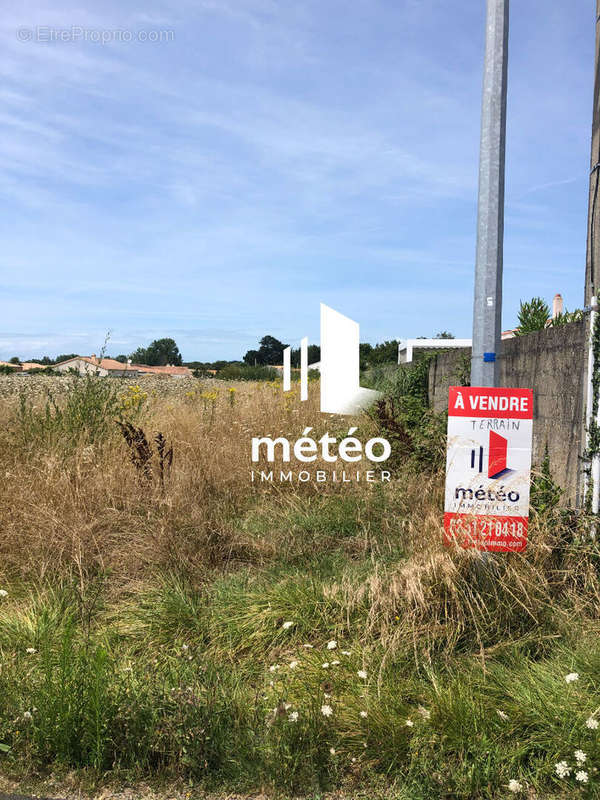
x,y
591,460
592,266
487,310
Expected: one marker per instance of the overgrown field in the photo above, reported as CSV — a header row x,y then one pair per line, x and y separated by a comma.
x,y
164,617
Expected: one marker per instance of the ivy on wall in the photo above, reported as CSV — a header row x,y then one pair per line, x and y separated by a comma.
x,y
593,431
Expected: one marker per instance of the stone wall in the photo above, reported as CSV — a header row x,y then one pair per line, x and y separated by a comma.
x,y
553,363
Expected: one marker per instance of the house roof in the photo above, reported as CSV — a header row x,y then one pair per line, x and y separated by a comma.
x,y
165,370
103,363
144,369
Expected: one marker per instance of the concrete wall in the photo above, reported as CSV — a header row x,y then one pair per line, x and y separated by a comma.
x,y
553,363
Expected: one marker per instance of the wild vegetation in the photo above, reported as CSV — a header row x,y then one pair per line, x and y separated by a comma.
x,y
535,315
163,616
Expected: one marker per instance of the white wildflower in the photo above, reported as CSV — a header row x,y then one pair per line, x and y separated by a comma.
x,y
581,776
580,756
31,650
293,717
335,663
185,647
362,674
514,786
562,769
331,645
287,625
308,646
501,714
3,593
325,665
409,723
273,667
27,716
572,677
287,706
353,760
345,652
592,723
332,750
326,710
363,714
293,664
424,712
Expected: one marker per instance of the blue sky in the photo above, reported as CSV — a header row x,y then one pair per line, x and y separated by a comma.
x,y
272,155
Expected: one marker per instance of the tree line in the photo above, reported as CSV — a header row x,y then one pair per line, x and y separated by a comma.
x,y
533,315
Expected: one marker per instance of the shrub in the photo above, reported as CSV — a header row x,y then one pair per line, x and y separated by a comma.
x,y
86,416
416,434
242,372
533,316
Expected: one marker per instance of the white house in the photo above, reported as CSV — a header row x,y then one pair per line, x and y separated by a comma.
x,y
406,347
90,365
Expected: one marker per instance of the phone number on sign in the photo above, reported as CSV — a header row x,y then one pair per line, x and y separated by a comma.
x,y
490,533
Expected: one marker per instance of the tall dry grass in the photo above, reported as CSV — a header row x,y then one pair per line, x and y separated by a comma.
x,y
157,621
81,506
86,510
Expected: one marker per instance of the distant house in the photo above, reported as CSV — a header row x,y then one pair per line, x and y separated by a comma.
x,y
168,370
90,365
406,347
15,367
29,365
24,366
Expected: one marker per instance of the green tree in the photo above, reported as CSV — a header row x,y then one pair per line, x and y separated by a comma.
x,y
533,316
364,350
122,359
313,353
270,352
567,316
444,335
15,360
251,358
158,353
384,353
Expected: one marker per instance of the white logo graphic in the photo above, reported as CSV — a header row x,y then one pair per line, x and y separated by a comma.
x,y
341,392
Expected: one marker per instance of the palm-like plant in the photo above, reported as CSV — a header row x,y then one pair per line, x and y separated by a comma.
x,y
533,316
567,316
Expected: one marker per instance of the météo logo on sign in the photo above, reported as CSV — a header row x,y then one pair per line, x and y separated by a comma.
x,y
497,450
341,392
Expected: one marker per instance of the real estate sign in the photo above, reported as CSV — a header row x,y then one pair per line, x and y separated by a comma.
x,y
488,467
